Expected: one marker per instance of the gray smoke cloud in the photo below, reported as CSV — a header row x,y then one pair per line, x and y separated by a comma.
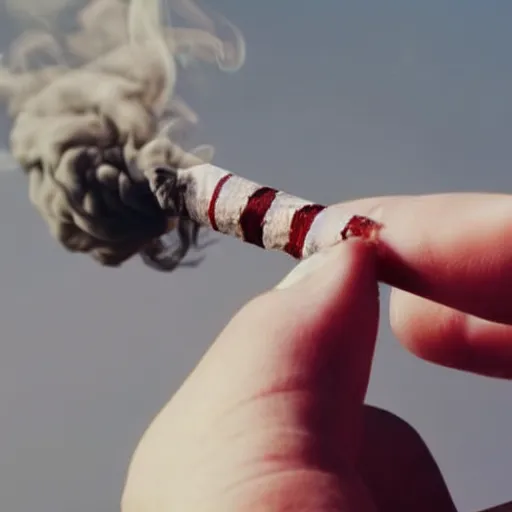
x,y
93,108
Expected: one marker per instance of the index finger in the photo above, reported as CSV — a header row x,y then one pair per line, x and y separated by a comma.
x,y
454,249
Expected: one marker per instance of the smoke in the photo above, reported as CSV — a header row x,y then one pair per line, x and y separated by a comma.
x,y
94,106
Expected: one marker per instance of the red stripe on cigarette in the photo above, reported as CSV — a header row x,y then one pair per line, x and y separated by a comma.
x,y
213,200
253,216
360,226
301,224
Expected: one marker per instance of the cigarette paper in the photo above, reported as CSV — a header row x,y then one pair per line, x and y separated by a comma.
x,y
263,216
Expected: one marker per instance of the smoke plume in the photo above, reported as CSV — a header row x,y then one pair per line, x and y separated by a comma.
x,y
94,106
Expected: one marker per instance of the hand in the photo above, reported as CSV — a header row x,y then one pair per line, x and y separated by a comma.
x,y
272,418
451,252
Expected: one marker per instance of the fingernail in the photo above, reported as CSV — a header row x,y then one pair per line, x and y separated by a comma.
x,y
308,267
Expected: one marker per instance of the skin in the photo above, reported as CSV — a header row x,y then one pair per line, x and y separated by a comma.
x,y
273,417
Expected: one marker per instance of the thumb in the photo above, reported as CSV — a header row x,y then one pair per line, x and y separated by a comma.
x,y
311,339
271,415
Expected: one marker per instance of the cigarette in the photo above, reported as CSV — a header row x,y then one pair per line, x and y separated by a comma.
x,y
268,218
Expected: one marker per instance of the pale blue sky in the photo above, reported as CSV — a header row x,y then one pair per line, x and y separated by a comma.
x,y
338,99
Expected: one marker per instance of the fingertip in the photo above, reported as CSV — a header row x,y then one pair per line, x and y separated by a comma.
x,y
351,262
335,293
328,306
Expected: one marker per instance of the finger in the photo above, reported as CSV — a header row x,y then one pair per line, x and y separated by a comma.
x,y
310,341
398,468
269,417
451,338
504,507
450,248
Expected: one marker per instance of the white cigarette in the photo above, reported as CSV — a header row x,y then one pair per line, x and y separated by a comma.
x,y
260,215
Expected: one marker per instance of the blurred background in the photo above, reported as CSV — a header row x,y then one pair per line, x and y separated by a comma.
x,y
337,100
